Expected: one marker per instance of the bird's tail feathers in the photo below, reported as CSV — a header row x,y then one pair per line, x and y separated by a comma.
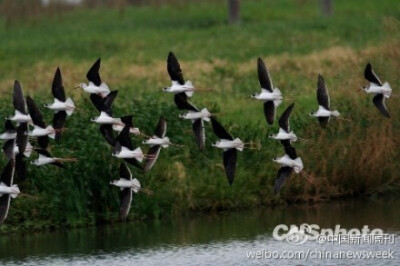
x,y
70,104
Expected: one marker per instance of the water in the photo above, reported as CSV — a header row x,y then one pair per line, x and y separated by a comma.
x,y
219,239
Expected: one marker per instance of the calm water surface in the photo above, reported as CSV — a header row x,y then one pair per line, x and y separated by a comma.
x,y
220,239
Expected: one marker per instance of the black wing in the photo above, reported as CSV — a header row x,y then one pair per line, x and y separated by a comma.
x,y
124,139
133,162
322,93
154,151
370,75
8,126
36,115
127,120
230,164
379,101
283,173
291,152
263,76
219,130
161,128
125,205
18,98
57,87
58,122
181,101
269,112
104,104
93,73
43,142
174,69
199,133
284,119
323,121
20,167
8,148
124,172
8,173
108,134
4,207
22,137
43,152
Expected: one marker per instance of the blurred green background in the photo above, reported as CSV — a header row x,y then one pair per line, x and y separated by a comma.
x,y
297,41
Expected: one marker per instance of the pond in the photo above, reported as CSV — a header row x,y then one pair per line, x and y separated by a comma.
x,y
234,238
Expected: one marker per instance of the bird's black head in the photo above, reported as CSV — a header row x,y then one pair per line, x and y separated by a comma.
x,y
253,95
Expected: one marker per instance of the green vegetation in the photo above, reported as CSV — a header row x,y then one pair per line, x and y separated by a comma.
x,y
296,44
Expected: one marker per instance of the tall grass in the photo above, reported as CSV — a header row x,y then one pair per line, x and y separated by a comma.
x,y
347,159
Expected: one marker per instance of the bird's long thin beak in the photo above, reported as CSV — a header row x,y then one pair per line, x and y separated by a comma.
x,y
77,87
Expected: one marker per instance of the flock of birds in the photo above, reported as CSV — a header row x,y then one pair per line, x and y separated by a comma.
x,y
27,114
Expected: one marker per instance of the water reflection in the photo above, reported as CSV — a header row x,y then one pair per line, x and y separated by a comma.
x,y
191,240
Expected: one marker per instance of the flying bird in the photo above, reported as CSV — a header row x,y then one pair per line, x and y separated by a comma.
x,y
21,114
61,106
197,117
229,146
272,97
284,134
46,158
179,86
60,103
10,131
22,150
324,112
8,190
380,90
127,186
289,162
40,130
157,141
95,85
123,149
126,121
104,106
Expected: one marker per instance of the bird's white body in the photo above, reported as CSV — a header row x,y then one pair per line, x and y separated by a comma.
x,y
20,117
104,118
266,95
13,190
92,88
39,132
164,142
134,184
127,153
296,164
322,112
27,152
8,135
203,114
44,160
226,144
187,88
68,106
132,130
283,135
385,89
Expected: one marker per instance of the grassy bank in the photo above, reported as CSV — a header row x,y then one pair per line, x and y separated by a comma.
x,y
348,159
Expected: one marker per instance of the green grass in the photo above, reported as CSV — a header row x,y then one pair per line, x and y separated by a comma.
x,y
296,42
